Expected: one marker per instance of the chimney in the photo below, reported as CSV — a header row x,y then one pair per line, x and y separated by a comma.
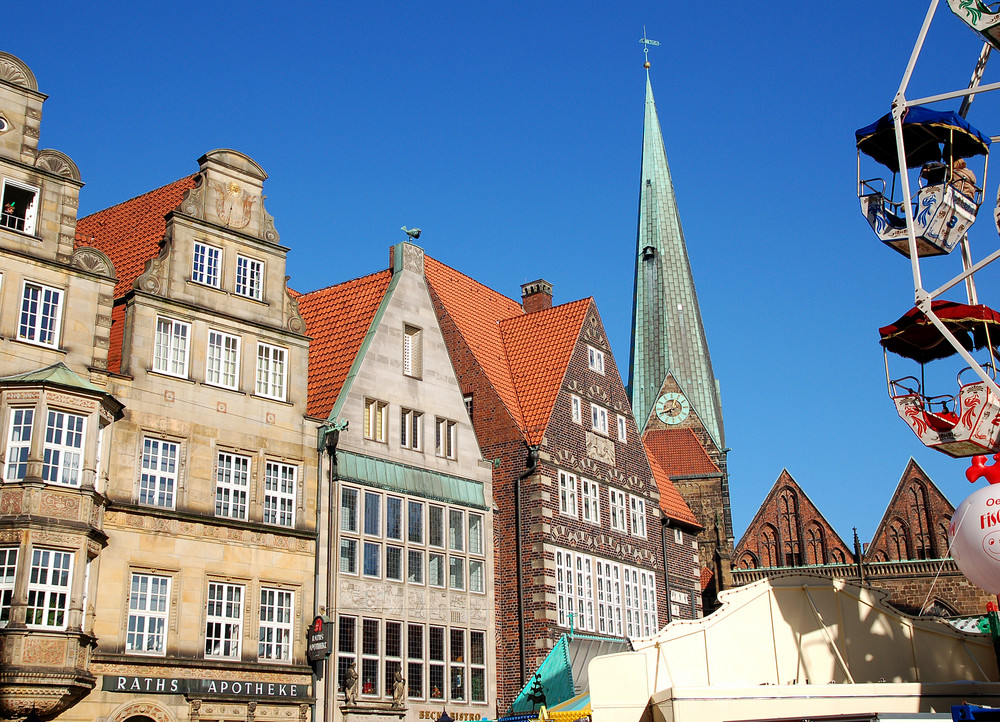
x,y
536,296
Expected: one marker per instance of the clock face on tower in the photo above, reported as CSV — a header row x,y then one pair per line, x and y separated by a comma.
x,y
672,408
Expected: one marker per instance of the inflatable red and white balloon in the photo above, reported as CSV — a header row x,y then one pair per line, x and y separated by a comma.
x,y
974,532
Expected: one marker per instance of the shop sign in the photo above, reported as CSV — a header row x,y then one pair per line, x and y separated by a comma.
x,y
319,642
203,687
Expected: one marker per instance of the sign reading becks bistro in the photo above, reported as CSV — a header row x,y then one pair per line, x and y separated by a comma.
x,y
203,687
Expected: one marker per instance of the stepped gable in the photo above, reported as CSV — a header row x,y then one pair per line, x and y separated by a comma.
x,y
671,501
539,346
915,523
789,531
338,319
129,233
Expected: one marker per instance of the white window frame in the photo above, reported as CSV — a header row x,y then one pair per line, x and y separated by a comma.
x,y
280,486
40,314
477,667
171,347
567,494
637,507
30,220
599,419
576,409
206,264
148,614
376,420
411,429
249,277
622,428
222,360
445,438
591,496
65,437
413,365
647,587
276,620
678,536
232,486
224,621
19,433
49,585
8,573
618,502
272,371
595,360
565,593
159,472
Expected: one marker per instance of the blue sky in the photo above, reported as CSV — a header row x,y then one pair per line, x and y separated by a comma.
x,y
511,134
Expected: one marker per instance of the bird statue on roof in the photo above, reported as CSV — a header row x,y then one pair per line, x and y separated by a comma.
x,y
413,233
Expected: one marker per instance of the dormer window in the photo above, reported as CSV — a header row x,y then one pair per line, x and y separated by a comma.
x,y
206,264
249,278
18,206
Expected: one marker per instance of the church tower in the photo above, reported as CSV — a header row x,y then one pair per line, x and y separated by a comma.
x,y
674,393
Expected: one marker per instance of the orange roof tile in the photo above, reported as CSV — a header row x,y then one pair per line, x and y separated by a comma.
x,y
338,318
116,338
477,312
130,232
539,347
671,501
706,577
679,452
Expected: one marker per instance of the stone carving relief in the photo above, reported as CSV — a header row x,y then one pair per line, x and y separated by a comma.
x,y
141,709
14,71
10,503
270,233
72,401
153,274
23,395
91,259
416,604
60,505
56,162
194,200
46,652
600,448
233,205
413,258
295,322
603,543
592,332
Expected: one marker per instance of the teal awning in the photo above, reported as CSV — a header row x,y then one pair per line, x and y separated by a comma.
x,y
393,476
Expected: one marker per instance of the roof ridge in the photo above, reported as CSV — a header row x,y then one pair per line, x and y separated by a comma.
x,y
304,294
464,275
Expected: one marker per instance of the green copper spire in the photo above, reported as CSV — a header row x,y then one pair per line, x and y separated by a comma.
x,y
667,333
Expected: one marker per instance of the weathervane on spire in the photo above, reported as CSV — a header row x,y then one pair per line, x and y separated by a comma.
x,y
646,42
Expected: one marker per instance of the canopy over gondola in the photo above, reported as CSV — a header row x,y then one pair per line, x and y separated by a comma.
x,y
928,135
914,336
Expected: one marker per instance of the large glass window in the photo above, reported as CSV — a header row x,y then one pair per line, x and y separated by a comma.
x,y
638,516
347,648
41,311
435,526
477,666
8,572
279,493
63,454
170,350
567,494
232,485
249,278
275,637
436,663
394,518
370,654
415,660
415,523
456,530
224,621
206,263
222,361
158,476
619,510
373,514
476,533
18,443
148,608
349,509
435,570
591,501
393,654
457,665
48,588
271,373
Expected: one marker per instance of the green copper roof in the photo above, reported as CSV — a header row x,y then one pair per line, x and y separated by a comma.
x,y
58,373
667,332
405,479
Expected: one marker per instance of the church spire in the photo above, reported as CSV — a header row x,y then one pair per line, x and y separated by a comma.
x,y
668,337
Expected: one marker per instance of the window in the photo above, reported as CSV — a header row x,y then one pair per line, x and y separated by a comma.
x,y
48,588
63,454
444,438
170,352
270,371
19,207
224,621
19,443
435,526
394,518
372,559
394,563
370,652
158,476
457,664
373,513
621,428
376,420
347,647
275,636
595,359
232,485
222,364
393,654
591,501
584,592
435,570
565,597
599,419
279,493
477,666
409,429
609,608
412,352
41,312
582,579
567,494
647,586
633,603
148,607
415,522
678,536
476,533
435,663
575,412
415,566
249,278
638,516
456,573
456,530
205,267
619,507
477,576
469,406
348,523
415,660
8,569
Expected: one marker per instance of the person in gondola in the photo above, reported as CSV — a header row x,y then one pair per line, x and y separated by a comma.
x,y
962,178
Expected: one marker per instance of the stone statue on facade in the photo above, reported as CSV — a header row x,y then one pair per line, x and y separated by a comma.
x,y
351,684
398,689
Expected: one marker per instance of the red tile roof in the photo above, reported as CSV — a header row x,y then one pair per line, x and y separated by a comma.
x,y
706,577
539,347
671,501
116,338
679,452
130,232
338,318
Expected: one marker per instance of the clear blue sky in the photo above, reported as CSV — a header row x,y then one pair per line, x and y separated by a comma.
x,y
511,134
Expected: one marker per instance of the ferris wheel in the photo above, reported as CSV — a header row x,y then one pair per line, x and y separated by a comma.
x,y
922,202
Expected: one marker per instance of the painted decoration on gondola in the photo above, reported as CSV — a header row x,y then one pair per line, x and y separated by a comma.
x,y
974,536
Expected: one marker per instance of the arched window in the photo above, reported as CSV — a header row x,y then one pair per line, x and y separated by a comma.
x,y
837,557
898,547
937,608
747,561
788,513
921,523
814,544
880,556
768,547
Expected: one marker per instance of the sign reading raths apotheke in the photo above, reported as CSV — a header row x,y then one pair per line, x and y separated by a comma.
x,y
204,687
319,640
